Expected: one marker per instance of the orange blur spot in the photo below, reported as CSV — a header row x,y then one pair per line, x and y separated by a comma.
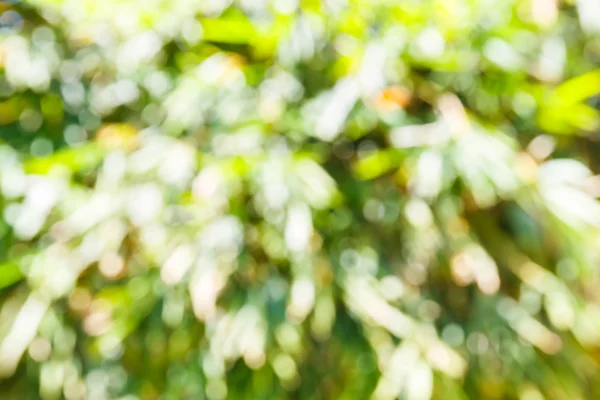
x,y
393,97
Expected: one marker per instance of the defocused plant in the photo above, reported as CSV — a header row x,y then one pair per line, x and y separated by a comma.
x,y
299,199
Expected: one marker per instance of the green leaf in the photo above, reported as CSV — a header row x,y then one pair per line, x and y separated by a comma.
x,y
234,31
75,159
378,163
578,89
9,274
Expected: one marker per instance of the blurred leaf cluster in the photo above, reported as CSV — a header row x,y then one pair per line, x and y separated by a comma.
x,y
303,199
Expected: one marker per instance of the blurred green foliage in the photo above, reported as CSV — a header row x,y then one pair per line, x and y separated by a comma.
x,y
272,199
